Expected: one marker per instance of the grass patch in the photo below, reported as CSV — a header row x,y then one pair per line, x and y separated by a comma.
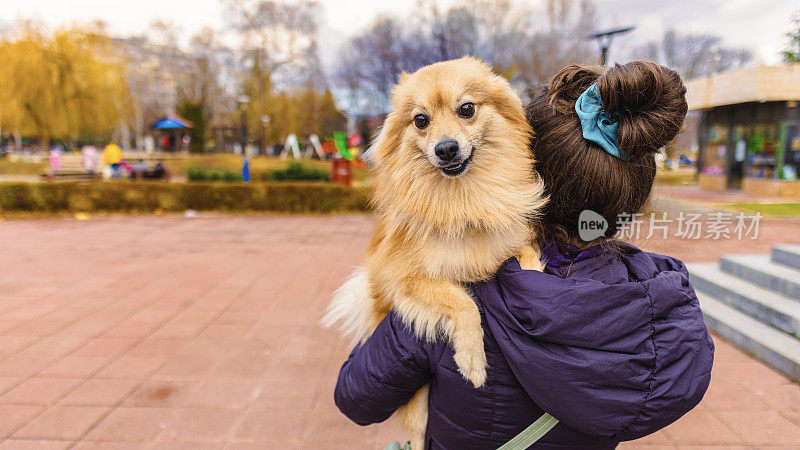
x,y
675,178
8,167
767,209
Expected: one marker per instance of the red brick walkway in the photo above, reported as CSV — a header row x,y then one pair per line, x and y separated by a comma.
x,y
165,332
698,194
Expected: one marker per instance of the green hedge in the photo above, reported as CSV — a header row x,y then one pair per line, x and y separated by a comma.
x,y
296,171
194,173
294,197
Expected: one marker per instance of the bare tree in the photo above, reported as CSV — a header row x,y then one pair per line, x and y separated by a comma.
x,y
369,63
212,73
278,49
279,38
558,38
509,35
160,74
791,54
694,55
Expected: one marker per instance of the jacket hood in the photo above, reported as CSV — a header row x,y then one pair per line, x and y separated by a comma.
x,y
605,341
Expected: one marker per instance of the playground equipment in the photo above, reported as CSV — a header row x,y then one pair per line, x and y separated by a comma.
x,y
340,137
343,158
342,168
291,144
315,145
342,171
312,146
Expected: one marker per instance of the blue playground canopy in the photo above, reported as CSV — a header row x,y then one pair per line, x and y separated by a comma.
x,y
172,123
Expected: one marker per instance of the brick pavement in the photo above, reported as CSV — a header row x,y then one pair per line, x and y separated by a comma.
x,y
166,332
698,194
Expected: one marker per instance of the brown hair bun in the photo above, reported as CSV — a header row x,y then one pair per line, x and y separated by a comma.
x,y
650,101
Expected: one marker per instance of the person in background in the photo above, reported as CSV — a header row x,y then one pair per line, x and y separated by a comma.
x,y
123,164
138,170
159,171
89,159
55,159
112,156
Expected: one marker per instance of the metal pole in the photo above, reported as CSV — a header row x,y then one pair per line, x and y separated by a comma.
x,y
245,163
604,40
244,131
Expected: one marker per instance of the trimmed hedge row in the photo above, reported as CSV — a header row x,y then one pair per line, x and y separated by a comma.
x,y
297,171
294,171
194,173
151,196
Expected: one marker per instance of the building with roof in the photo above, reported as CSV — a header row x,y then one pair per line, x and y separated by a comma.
x,y
172,133
749,131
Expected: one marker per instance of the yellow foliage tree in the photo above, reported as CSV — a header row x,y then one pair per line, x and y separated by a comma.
x,y
302,111
61,85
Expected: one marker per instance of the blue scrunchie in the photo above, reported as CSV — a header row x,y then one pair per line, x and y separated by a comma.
x,y
598,126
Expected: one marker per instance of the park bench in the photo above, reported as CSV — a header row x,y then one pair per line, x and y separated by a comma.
x,y
71,169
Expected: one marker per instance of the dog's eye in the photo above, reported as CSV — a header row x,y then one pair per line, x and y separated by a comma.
x,y
421,121
466,110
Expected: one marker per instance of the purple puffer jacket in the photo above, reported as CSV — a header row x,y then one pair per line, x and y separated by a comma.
x,y
612,344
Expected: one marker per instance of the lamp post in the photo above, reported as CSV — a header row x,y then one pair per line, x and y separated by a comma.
x,y
264,123
604,40
243,101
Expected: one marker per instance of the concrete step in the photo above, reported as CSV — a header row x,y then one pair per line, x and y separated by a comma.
x,y
767,306
774,347
759,269
787,255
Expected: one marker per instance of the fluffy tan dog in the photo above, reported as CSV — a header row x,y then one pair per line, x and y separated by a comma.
x,y
456,191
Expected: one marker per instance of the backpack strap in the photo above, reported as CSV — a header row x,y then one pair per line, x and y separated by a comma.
x,y
530,435
523,440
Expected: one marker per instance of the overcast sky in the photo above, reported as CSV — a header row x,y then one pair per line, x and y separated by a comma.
x,y
757,24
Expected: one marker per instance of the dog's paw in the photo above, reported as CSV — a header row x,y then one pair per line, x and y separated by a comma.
x,y
471,363
530,258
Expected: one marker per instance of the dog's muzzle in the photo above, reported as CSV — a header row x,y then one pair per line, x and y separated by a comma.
x,y
450,160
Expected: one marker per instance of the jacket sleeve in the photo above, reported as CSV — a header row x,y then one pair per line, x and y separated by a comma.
x,y
683,354
384,372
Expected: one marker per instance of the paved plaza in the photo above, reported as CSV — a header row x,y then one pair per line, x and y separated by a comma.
x,y
202,333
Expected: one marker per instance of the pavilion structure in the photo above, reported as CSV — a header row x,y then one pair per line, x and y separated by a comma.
x,y
170,131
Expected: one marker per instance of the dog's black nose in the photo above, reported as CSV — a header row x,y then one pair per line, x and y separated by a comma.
x,y
446,150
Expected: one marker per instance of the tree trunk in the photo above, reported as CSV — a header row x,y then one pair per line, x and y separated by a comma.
x,y
45,144
125,134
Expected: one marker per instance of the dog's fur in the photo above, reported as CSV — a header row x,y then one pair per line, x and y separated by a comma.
x,y
437,231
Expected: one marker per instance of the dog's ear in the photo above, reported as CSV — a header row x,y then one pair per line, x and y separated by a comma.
x,y
403,77
506,101
369,154
386,141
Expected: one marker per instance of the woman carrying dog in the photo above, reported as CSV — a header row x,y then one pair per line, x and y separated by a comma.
x,y
607,344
